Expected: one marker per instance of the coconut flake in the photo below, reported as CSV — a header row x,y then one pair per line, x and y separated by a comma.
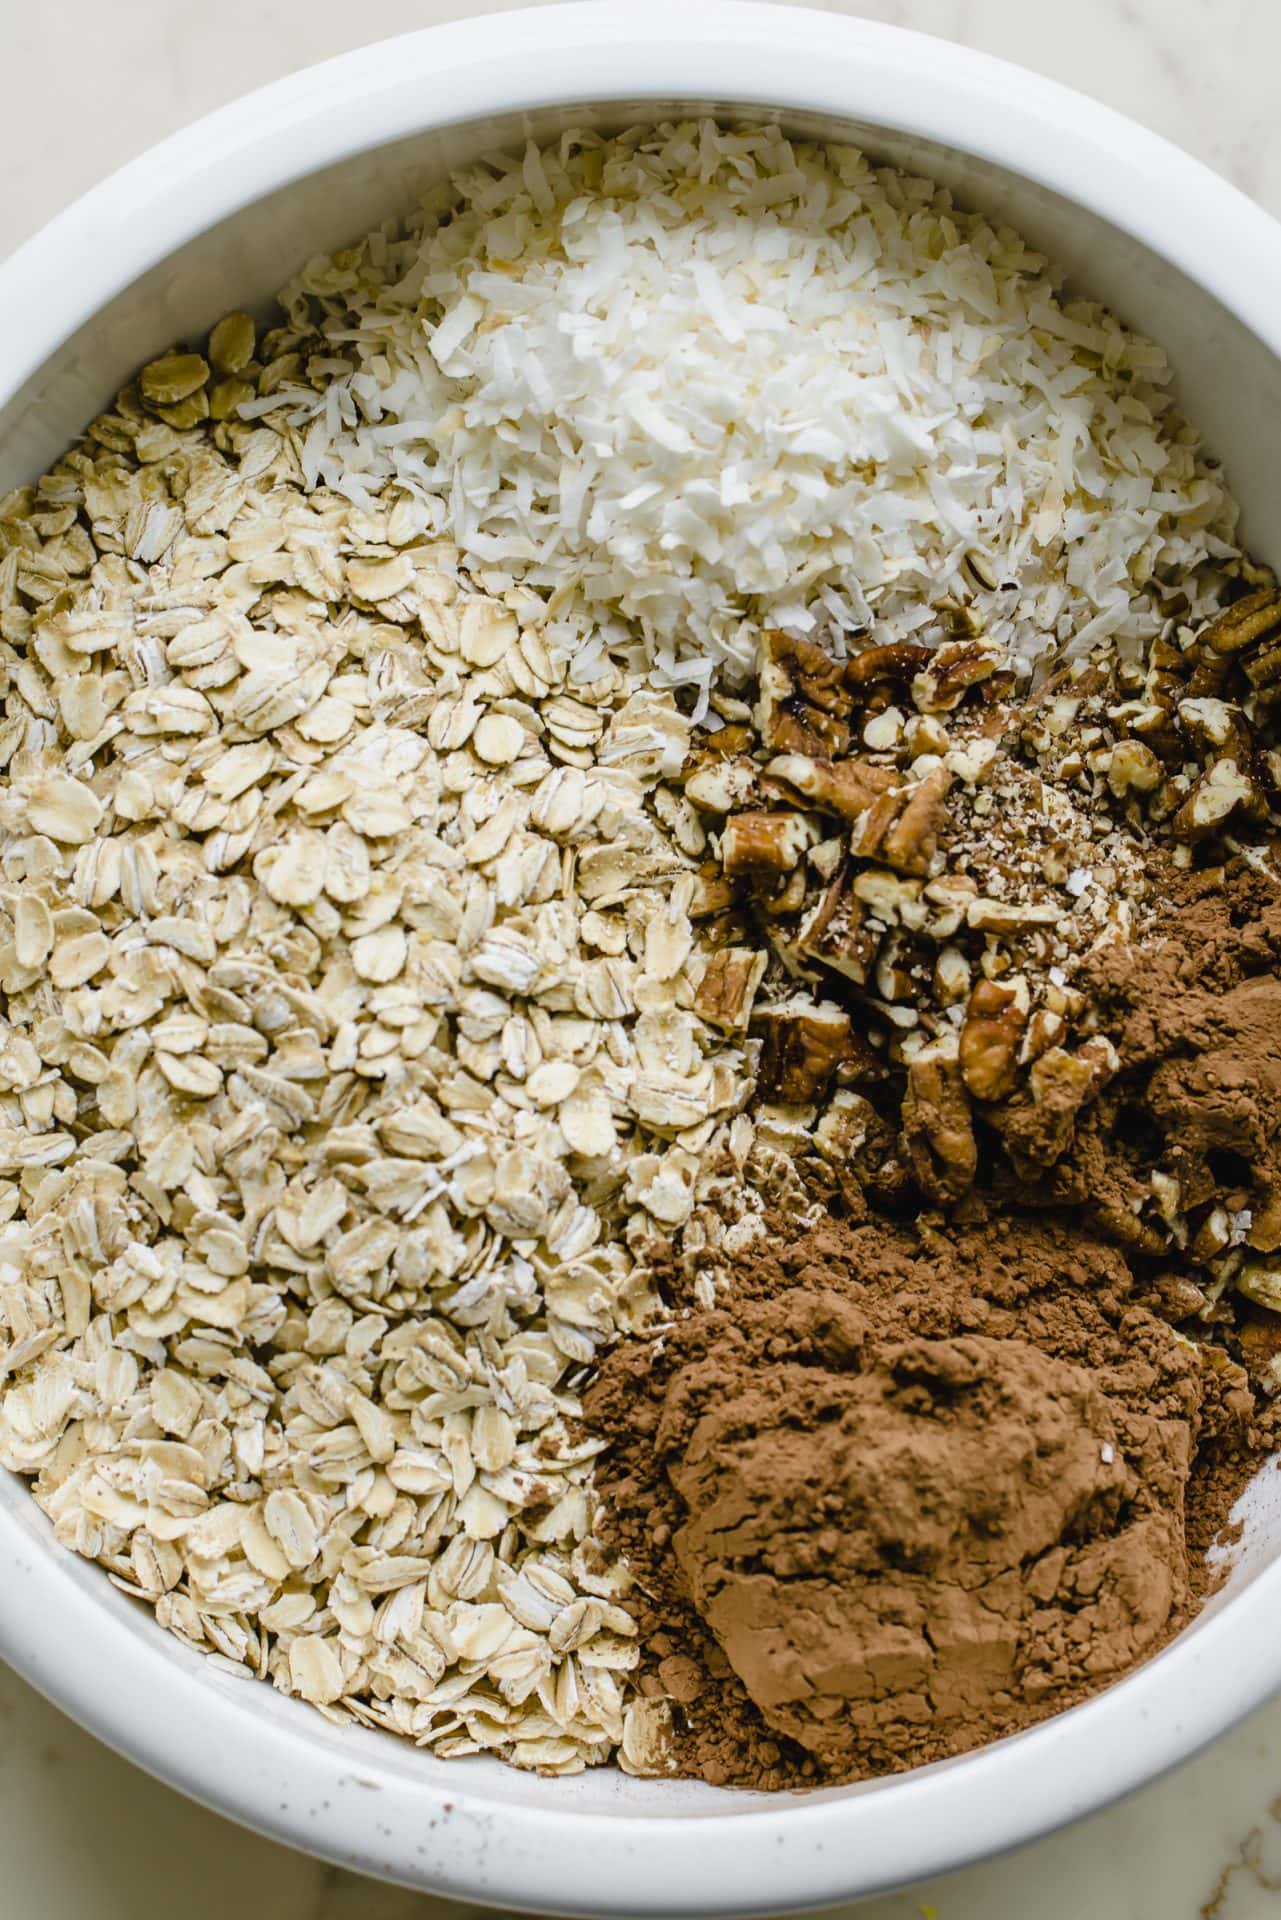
x,y
716,381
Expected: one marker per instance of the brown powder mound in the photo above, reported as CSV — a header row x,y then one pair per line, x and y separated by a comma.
x,y
1195,1015
909,1493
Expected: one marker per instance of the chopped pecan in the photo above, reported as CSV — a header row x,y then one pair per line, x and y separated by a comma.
x,y
894,981
730,740
803,706
858,1146
953,669
786,899
798,728
1176,1297
938,1132
1152,722
949,898
811,671
991,1037
845,787
836,934
862,1066
827,856
912,841
1212,1235
1133,766
951,976
729,929
1210,674
1263,671
728,987
1065,688
718,786
897,664
1265,1226
1011,916
894,898
870,829
902,826
845,1126
1249,619
1038,1130
1169,669
1215,726
713,893
803,1043
764,845
1044,1030
1222,792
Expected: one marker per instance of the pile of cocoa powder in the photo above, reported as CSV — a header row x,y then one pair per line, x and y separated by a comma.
x,y
1195,1015
916,1483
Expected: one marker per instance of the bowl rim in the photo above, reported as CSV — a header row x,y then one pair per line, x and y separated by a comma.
x,y
765,1856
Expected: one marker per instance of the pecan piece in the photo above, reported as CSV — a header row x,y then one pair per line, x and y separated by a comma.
x,y
1216,727
1133,767
845,787
1152,722
951,976
1169,669
912,842
1246,620
713,893
835,932
896,663
762,846
1260,1281
729,740
938,1132
810,671
991,1038
785,899
856,1144
871,827
1265,1227
1263,671
802,706
730,929
719,785
953,669
1037,1131
1222,791
798,728
901,828
1044,1030
803,1043
1011,916
728,988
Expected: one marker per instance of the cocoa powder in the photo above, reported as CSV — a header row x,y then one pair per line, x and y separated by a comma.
x,y
1195,1015
908,1491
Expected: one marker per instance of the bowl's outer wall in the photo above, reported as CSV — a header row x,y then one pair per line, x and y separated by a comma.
x,y
603,1843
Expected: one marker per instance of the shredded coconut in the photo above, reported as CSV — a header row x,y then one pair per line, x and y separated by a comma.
x,y
689,382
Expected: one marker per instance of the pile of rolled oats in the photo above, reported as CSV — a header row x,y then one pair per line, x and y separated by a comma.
x,y
351,1045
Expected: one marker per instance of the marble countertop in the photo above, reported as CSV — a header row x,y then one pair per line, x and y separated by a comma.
x,y
91,82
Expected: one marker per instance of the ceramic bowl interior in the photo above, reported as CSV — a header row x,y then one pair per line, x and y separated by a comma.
x,y
603,1842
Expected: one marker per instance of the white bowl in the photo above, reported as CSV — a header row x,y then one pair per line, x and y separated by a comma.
x,y
215,218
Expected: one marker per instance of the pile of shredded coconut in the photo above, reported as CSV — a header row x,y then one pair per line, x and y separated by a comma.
x,y
690,381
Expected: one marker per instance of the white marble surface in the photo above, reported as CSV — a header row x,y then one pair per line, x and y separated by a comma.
x,y
88,84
